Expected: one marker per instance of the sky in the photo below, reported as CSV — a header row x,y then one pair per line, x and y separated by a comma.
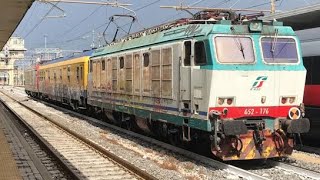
x,y
71,26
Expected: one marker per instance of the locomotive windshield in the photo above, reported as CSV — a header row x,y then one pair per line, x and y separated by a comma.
x,y
234,49
279,50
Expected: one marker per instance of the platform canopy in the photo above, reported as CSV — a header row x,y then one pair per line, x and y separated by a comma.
x,y
11,13
299,19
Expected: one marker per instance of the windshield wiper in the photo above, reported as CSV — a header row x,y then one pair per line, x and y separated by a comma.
x,y
238,42
274,42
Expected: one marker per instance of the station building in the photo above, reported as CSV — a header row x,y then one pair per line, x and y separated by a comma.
x,y
13,50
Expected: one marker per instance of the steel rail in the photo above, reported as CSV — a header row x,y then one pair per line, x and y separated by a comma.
x,y
141,173
10,125
309,149
296,170
52,151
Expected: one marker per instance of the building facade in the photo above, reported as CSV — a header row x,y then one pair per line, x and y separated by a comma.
x,y
12,51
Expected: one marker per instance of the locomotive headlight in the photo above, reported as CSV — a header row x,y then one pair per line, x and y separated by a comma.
x,y
255,25
229,101
220,101
284,100
288,99
292,100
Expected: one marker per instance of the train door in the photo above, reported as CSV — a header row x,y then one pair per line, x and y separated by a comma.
x,y
185,86
185,76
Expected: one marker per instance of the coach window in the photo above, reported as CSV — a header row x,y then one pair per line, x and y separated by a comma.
x,y
187,53
91,65
68,73
78,73
103,65
81,72
200,53
121,59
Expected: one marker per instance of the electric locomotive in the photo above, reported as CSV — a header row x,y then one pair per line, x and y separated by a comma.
x,y
231,80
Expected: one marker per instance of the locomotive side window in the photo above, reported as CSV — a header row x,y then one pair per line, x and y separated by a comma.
x,y
234,49
279,50
200,53
145,59
103,65
103,73
187,53
121,59
122,78
146,74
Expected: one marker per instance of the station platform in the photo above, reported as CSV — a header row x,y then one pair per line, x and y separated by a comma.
x,y
8,166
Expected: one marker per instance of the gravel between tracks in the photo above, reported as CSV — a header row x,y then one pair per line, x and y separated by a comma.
x,y
305,160
149,157
157,161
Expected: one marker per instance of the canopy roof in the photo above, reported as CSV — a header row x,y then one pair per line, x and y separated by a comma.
x,y
299,19
11,13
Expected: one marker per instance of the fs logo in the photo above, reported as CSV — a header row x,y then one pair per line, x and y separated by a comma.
x,y
257,85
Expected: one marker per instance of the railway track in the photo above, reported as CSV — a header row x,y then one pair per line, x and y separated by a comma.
x,y
274,167
83,158
229,169
297,170
310,149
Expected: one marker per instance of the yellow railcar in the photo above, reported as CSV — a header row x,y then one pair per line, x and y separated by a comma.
x,y
65,80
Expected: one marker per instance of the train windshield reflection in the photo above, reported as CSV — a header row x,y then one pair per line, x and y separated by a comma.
x,y
234,49
279,50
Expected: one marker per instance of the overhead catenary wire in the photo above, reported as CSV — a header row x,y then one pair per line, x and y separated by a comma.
x,y
83,20
41,20
31,15
79,37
